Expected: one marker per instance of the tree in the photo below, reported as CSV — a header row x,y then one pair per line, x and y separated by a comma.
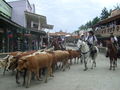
x,y
82,27
95,20
104,13
117,6
88,24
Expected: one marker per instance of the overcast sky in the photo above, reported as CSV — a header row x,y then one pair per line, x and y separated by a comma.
x,y
68,15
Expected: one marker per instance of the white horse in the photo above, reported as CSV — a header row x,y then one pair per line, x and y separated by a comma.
x,y
86,53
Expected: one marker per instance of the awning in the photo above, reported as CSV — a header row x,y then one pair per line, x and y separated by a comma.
x,y
2,18
36,18
49,26
38,32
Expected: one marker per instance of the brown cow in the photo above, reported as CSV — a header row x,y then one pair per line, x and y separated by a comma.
x,y
61,56
12,63
35,63
74,54
8,59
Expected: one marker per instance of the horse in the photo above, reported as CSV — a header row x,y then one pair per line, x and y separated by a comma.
x,y
87,53
93,55
112,54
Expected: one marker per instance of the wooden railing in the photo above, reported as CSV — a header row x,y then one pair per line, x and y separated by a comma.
x,y
106,31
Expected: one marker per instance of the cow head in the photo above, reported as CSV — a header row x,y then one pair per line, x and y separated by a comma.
x,y
11,61
2,63
22,64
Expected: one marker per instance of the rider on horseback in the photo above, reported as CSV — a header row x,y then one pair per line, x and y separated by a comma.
x,y
114,41
92,41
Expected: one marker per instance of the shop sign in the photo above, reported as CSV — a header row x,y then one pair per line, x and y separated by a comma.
x,y
5,9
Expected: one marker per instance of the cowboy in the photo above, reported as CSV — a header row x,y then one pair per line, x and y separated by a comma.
x,y
91,39
114,40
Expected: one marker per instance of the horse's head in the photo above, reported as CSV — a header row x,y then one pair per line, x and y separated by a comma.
x,y
79,43
82,45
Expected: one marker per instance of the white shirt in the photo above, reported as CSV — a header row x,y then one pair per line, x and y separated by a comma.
x,y
92,39
114,39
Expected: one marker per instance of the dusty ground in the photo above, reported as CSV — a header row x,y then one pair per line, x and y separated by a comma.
x,y
100,78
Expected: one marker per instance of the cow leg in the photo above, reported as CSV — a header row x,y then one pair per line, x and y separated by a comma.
x,y
61,65
68,65
77,60
53,67
70,61
51,72
17,77
38,74
4,70
74,60
28,78
24,76
46,75
64,65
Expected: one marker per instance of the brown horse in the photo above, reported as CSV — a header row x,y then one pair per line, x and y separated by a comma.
x,y
112,54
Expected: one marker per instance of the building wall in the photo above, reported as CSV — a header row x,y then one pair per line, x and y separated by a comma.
x,y
18,14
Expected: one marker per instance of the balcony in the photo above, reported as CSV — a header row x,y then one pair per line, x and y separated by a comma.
x,y
106,31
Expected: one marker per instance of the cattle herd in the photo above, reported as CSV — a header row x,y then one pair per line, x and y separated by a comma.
x,y
38,63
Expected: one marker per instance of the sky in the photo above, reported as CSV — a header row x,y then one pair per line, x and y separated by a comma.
x,y
68,15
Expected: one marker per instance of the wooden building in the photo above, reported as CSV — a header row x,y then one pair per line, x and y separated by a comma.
x,y
108,25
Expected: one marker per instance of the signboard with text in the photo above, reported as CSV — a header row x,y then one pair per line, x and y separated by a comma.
x,y
5,9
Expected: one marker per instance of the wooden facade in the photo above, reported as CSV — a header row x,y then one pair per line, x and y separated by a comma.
x,y
109,25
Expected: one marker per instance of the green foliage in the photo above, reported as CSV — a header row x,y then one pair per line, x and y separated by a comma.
x,y
117,6
95,20
105,13
89,24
